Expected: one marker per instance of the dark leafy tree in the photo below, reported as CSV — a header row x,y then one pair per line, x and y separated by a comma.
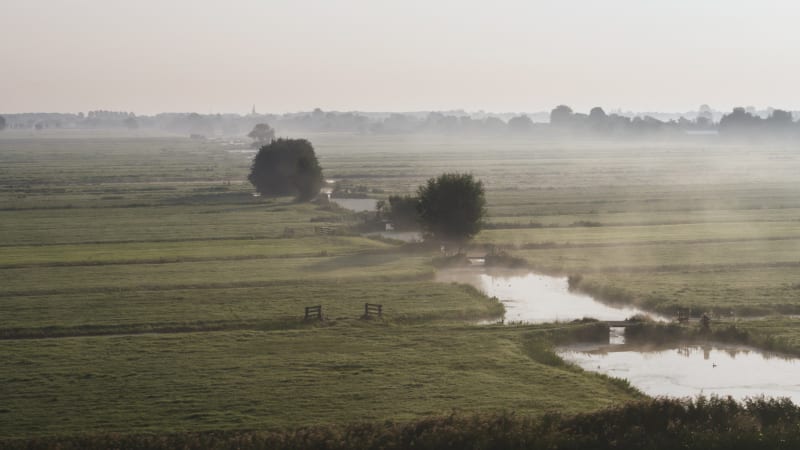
x,y
2,123
261,135
403,212
452,207
287,167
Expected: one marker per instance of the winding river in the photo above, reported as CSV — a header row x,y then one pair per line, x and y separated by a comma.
x,y
675,371
534,298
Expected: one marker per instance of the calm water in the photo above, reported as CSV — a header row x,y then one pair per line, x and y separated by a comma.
x,y
534,298
246,152
692,370
405,236
356,204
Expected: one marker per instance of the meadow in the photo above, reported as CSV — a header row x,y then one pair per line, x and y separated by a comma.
x,y
702,223
143,288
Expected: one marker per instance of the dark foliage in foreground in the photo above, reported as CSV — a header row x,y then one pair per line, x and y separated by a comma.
x,y
654,424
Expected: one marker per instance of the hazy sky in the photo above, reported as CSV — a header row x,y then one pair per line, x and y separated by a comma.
x,y
376,55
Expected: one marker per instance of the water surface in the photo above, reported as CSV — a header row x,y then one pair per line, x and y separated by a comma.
x,y
691,370
356,204
533,298
405,236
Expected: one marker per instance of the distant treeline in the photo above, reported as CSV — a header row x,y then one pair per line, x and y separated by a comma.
x,y
561,121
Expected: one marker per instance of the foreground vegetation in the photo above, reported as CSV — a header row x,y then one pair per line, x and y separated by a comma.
x,y
705,423
145,290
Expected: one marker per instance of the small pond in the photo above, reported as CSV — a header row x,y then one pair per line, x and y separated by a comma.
x,y
534,298
691,370
356,204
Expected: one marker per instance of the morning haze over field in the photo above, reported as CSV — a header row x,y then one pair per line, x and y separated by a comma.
x,y
355,225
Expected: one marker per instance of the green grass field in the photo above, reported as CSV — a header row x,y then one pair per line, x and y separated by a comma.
x,y
249,379
144,288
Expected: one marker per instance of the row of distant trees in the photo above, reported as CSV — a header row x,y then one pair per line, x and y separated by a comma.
x,y
738,122
179,123
562,121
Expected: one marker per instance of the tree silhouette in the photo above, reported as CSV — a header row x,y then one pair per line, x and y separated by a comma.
x,y
261,135
2,123
705,112
520,124
452,207
598,119
561,115
131,123
287,167
739,121
780,118
402,211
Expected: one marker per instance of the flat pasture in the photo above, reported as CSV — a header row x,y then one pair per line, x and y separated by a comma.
x,y
144,288
256,379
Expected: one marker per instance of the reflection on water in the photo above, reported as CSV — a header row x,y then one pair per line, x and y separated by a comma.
x,y
405,236
356,204
246,152
692,370
616,335
533,298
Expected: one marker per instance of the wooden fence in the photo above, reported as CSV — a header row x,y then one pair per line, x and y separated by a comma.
x,y
372,309
325,230
314,312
